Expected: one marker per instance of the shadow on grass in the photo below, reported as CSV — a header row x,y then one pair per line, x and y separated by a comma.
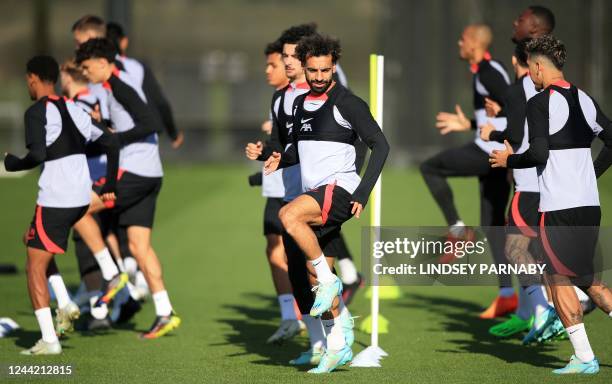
x,y
471,334
26,338
250,332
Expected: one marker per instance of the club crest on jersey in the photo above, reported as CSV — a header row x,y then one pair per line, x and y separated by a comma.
x,y
305,126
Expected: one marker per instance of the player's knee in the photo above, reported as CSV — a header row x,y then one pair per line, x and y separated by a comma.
x,y
288,218
509,253
272,251
426,167
277,257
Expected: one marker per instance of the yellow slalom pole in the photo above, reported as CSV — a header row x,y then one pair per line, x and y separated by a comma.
x,y
375,198
370,357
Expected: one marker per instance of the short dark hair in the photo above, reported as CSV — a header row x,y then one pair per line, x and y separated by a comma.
x,y
550,47
96,49
544,16
45,67
115,32
90,22
318,45
520,53
274,47
294,34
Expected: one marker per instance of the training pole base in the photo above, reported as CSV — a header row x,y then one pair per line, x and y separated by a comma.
x,y
369,358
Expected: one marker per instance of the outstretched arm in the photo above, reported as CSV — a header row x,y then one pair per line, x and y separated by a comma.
x,y
35,132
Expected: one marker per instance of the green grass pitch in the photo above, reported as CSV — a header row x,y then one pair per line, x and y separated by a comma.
x,y
208,236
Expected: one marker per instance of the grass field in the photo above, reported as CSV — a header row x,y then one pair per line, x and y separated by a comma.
x,y
208,236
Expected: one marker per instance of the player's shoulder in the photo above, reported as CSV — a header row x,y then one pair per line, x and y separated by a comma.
x,y
540,100
347,99
491,65
125,77
587,103
38,109
279,92
490,68
584,96
122,82
132,61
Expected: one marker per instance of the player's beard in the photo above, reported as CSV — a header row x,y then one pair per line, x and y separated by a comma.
x,y
320,87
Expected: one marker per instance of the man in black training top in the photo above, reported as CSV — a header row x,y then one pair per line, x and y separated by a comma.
x,y
56,134
563,121
140,179
326,123
471,160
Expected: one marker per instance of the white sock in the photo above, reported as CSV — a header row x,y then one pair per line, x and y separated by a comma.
x,y
287,306
106,263
525,309
324,274
45,322
335,336
580,342
130,264
162,303
59,288
610,314
120,264
348,271
458,228
506,291
316,334
538,301
134,294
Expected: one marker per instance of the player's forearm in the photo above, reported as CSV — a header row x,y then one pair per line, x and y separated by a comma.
x,y
273,144
33,159
535,155
110,144
256,179
498,136
380,150
134,135
603,161
269,147
289,157
168,119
